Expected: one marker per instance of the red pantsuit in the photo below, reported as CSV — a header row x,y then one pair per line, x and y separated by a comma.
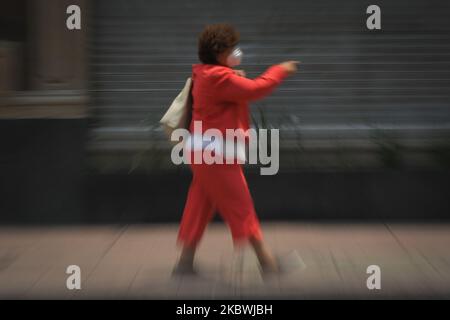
x,y
220,101
222,188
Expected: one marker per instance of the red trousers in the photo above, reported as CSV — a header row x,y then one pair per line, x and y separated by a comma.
x,y
220,187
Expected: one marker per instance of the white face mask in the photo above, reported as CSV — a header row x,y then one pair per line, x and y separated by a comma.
x,y
235,58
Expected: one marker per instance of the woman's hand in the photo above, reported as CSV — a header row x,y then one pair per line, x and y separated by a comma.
x,y
290,67
240,73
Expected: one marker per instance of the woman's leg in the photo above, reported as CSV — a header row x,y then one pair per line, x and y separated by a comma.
x,y
186,262
228,188
197,213
265,257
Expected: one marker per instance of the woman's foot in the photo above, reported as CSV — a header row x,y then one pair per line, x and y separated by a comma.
x,y
182,269
267,262
185,265
270,268
285,264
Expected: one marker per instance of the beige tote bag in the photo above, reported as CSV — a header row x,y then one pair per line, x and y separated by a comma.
x,y
180,111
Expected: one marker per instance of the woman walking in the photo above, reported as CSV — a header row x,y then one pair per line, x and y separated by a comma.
x,y
220,101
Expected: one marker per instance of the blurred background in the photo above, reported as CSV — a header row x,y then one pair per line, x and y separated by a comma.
x,y
364,126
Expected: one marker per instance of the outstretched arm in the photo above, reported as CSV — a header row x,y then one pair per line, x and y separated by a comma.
x,y
232,86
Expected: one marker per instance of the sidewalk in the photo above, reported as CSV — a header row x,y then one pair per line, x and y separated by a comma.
x,y
135,262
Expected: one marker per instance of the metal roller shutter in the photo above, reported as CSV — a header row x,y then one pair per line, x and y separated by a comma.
x,y
353,84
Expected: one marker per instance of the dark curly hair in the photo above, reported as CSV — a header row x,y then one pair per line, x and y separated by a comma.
x,y
214,40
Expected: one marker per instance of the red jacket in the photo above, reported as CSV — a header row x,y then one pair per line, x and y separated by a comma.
x,y
220,97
